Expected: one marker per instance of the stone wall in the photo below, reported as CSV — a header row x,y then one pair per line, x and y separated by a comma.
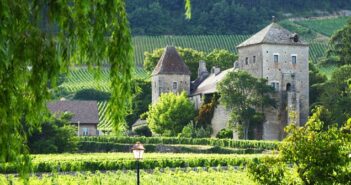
x,y
163,83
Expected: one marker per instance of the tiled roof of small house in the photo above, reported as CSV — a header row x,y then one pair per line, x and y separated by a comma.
x,y
83,111
171,63
209,85
273,34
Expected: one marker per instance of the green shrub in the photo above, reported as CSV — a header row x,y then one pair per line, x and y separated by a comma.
x,y
92,94
225,133
143,131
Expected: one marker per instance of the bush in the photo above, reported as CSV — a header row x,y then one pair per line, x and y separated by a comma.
x,y
92,94
54,136
143,131
225,133
170,114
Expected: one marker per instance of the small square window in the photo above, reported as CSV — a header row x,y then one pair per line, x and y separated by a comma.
x,y
275,58
247,60
293,59
254,59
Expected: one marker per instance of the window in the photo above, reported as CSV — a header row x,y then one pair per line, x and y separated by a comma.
x,y
275,58
247,60
85,131
293,59
254,59
275,85
175,86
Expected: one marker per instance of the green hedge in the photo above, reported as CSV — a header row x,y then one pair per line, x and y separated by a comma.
x,y
128,164
267,145
92,146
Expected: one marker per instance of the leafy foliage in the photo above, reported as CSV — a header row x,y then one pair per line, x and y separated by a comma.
x,y
38,41
340,44
177,176
240,92
206,111
143,131
318,153
221,58
225,133
316,80
92,94
336,95
54,136
170,114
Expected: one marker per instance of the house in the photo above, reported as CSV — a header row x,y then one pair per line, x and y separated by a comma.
x,y
84,115
273,53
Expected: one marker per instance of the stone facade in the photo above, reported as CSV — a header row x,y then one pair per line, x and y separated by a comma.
x,y
164,83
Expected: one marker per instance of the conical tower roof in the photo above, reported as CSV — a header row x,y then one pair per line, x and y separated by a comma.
x,y
171,63
273,34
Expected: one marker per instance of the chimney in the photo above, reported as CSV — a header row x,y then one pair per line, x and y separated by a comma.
x,y
215,70
202,70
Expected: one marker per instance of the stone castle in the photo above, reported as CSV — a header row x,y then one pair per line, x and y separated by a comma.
x,y
273,53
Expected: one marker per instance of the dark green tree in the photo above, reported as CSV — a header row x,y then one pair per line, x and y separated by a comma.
x,y
245,96
341,46
317,81
54,136
336,95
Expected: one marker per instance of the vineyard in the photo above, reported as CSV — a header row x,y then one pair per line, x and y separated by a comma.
x,y
324,26
166,176
126,161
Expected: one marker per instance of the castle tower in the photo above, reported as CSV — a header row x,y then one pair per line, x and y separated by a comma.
x,y
279,56
170,74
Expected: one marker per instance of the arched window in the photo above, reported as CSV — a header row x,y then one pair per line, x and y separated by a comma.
x,y
288,87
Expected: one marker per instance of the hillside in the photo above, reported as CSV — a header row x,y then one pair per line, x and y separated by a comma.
x,y
222,17
317,34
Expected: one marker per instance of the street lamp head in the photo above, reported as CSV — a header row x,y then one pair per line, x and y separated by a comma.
x,y
138,151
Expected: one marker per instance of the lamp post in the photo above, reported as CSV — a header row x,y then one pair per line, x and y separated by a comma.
x,y
138,151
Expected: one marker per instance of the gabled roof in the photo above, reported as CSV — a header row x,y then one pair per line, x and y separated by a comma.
x,y
83,111
272,34
209,85
171,63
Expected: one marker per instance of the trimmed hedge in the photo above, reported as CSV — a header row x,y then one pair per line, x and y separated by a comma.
x,y
266,145
92,146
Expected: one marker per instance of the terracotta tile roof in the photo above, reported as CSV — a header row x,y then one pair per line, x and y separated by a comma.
x,y
272,34
83,111
171,63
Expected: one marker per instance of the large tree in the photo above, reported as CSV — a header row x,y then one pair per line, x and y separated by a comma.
x,y
41,39
245,96
341,45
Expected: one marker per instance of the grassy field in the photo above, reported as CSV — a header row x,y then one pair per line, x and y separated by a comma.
x,y
324,26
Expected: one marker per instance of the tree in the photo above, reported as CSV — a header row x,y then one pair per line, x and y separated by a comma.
x,y
336,95
340,45
41,39
242,94
317,81
221,58
317,153
170,114
54,136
